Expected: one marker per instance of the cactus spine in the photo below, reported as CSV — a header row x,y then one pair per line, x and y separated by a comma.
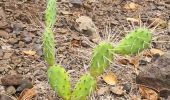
x,y
134,42
101,57
84,87
59,81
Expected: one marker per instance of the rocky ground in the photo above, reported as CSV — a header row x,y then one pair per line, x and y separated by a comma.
x,y
21,59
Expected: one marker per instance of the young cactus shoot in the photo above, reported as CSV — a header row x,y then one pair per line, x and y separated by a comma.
x,y
59,81
134,42
50,13
49,46
101,57
84,87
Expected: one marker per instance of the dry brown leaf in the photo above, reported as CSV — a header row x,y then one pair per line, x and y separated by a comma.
x,y
135,61
102,90
148,93
131,6
110,78
75,42
157,51
123,61
27,94
118,90
29,52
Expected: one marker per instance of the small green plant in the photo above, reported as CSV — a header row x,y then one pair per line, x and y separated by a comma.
x,y
84,87
49,46
101,57
50,13
59,81
134,42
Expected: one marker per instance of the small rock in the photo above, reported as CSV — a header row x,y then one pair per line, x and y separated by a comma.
x,y
25,84
76,2
12,80
6,97
21,44
127,87
17,27
3,24
118,90
88,28
1,53
157,74
11,90
13,41
27,39
169,26
7,55
4,34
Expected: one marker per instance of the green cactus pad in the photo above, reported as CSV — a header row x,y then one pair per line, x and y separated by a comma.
x,y
59,81
102,54
84,87
50,13
49,46
134,42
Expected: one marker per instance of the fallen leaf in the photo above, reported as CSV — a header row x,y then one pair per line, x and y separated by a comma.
x,y
110,78
118,90
123,61
27,94
135,60
75,43
102,90
157,51
29,52
156,21
148,93
131,6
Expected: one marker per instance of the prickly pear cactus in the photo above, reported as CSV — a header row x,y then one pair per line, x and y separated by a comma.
x,y
50,13
102,55
49,46
134,42
59,81
84,87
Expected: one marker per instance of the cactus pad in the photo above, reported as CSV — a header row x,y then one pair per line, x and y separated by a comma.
x,y
134,42
50,13
84,87
49,47
100,59
59,81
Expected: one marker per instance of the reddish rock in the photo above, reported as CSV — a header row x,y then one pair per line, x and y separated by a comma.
x,y
12,80
157,74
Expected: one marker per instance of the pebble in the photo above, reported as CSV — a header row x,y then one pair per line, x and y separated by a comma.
x,y
11,80
11,90
4,34
13,41
1,53
7,55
